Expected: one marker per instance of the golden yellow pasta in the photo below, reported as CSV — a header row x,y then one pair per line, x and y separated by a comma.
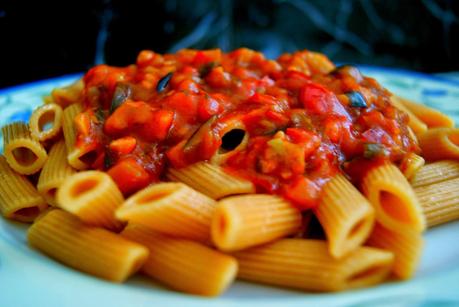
x,y
19,200
172,208
247,220
406,246
78,157
24,154
55,170
439,201
431,117
411,164
211,180
440,144
65,96
93,197
346,216
415,123
394,200
182,264
46,122
93,250
307,265
435,172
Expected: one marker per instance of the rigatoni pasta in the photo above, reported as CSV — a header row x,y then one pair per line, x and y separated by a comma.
x,y
184,265
172,208
406,247
439,201
46,122
435,172
440,144
93,197
78,158
307,265
92,250
431,117
54,172
24,154
396,205
211,180
346,216
243,221
19,199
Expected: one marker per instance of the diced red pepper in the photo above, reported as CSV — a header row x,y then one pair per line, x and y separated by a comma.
x,y
303,192
129,176
123,145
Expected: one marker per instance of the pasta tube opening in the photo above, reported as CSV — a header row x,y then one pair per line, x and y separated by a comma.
x,y
392,205
234,139
26,214
46,122
366,274
24,155
440,143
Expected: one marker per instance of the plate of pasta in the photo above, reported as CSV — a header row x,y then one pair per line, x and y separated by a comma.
x,y
205,178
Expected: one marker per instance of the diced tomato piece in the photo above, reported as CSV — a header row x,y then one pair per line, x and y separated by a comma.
x,y
319,100
208,107
157,129
123,145
182,103
218,78
303,192
176,156
129,175
128,114
263,99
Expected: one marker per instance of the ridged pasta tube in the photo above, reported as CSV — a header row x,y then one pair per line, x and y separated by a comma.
x,y
171,208
46,122
394,200
184,265
346,216
440,144
96,251
93,196
55,170
406,246
19,200
244,221
24,154
307,265
211,180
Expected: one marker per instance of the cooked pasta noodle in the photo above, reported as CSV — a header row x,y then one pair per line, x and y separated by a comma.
x,y
77,156
440,144
244,221
435,172
96,251
431,117
93,197
415,123
395,202
171,208
65,96
346,216
184,265
439,201
46,122
211,180
24,154
406,246
307,265
55,170
19,200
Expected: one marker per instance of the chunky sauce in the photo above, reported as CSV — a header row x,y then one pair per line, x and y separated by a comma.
x,y
287,125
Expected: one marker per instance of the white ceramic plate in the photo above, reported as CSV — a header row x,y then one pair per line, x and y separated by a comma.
x,y
28,278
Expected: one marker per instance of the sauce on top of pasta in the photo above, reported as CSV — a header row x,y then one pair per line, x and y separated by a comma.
x,y
287,125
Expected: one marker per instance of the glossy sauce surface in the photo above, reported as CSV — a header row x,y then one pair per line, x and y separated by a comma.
x,y
288,125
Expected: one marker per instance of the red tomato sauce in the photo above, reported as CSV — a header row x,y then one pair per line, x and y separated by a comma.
x,y
305,119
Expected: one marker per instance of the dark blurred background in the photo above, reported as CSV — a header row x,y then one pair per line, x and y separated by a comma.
x,y
42,39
